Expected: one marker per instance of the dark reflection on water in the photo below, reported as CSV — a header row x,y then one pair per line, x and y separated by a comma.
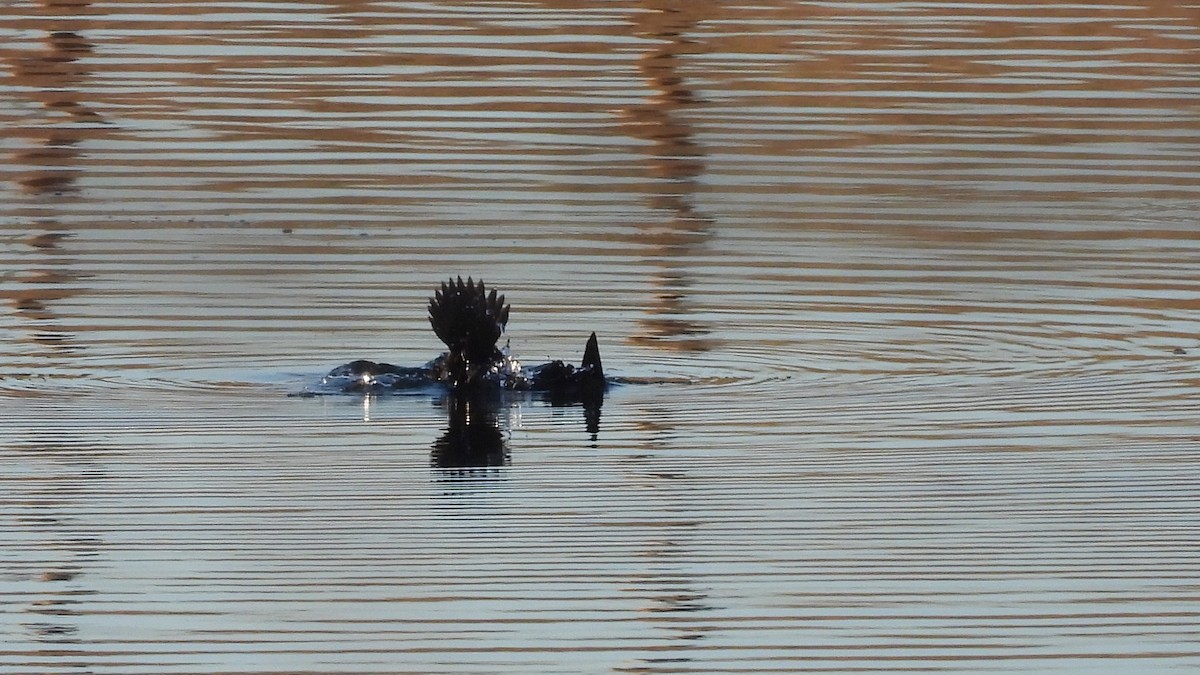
x,y
590,400
53,77
47,516
676,162
473,437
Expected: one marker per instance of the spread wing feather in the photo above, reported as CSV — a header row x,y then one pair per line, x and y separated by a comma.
x,y
467,318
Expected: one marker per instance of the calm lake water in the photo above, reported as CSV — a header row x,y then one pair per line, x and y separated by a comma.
x,y
907,296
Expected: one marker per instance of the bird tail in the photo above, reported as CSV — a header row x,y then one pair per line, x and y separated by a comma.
x,y
591,358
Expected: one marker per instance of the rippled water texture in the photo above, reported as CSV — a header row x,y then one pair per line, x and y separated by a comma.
x,y
906,294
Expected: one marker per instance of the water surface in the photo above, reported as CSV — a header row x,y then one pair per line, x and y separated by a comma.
x,y
910,290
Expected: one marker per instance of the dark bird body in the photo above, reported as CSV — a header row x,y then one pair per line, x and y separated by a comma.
x,y
469,319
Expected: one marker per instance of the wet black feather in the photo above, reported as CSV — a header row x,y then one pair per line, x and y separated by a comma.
x,y
468,319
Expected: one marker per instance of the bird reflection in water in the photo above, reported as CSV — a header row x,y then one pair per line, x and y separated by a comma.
x,y
475,442
473,438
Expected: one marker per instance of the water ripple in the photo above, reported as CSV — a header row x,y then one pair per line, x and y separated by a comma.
x,y
900,299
